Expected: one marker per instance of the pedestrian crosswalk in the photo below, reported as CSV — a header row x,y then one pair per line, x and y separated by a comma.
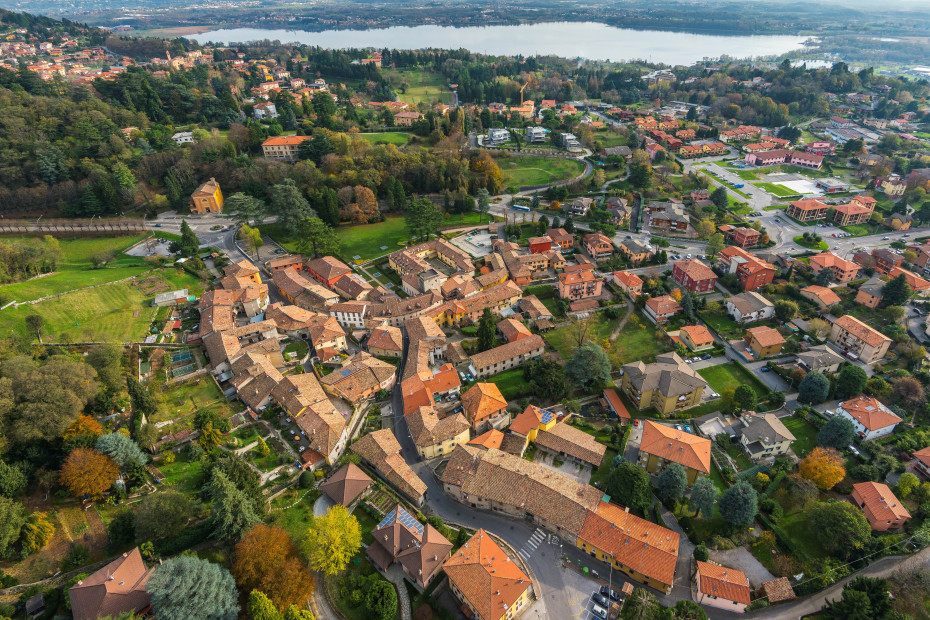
x,y
532,543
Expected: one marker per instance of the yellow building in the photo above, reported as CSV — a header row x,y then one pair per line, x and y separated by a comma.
x,y
436,437
668,385
531,421
207,198
662,445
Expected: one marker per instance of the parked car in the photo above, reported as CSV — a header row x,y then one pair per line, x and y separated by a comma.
x,y
612,594
765,369
600,599
636,422
706,356
885,238
599,611
830,412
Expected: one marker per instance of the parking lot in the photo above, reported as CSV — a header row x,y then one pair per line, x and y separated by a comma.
x,y
477,243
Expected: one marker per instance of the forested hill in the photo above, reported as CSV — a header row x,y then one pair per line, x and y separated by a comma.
x,y
48,29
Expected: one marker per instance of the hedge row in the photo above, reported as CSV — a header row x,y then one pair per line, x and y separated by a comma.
x,y
774,484
626,435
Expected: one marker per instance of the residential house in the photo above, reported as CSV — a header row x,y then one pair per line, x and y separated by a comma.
x,y
870,292
820,295
764,341
749,307
807,210
858,340
763,435
579,207
752,271
381,450
612,403
783,156
694,276
637,253
721,587
668,216
283,147
539,245
533,309
470,309
183,137
619,210
562,238
629,283
580,285
881,508
871,418
923,254
208,198
114,589
327,270
899,221
843,270
419,549
406,118
820,358
264,110
363,376
696,337
662,445
597,246
668,384
660,309
914,281
638,548
744,237
856,211
346,485
532,421
486,580
566,442
921,461
385,341
434,436
506,356
485,407
885,260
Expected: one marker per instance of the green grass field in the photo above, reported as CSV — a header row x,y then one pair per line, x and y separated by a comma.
x,y
859,230
775,189
819,245
746,175
805,435
364,240
422,86
511,383
730,376
522,170
105,313
639,339
388,137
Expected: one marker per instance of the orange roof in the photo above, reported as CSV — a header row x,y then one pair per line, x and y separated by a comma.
x,y
481,401
861,331
663,305
913,280
698,334
490,439
829,259
869,412
695,269
513,330
649,549
531,418
486,576
923,455
574,277
443,380
726,583
766,336
880,503
617,404
677,446
825,295
627,279
809,204
285,140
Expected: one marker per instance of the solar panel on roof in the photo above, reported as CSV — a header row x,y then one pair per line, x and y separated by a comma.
x,y
546,416
345,372
387,519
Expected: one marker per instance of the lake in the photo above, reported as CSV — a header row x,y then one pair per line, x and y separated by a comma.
x,y
567,39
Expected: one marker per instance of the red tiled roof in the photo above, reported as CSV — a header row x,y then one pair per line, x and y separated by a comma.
x,y
678,446
726,583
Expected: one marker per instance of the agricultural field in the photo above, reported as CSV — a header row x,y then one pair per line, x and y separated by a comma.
x,y
118,311
523,170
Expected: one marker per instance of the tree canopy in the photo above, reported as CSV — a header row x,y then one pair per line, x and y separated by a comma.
x,y
629,485
738,504
588,368
186,587
332,540
266,560
838,432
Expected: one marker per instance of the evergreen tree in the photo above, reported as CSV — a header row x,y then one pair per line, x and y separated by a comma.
x,y
838,433
588,368
896,291
814,388
745,397
483,198
738,505
671,483
245,209
719,197
233,511
628,484
315,238
189,244
486,327
535,203
121,449
703,497
187,587
289,204
850,382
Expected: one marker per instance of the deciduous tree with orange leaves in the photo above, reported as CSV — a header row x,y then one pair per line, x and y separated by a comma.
x,y
824,467
87,472
266,560
84,425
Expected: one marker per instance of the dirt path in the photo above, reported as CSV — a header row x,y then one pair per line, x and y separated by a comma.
x,y
616,333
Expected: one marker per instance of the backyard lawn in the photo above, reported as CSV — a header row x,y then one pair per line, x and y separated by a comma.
x,y
387,137
598,474
639,340
295,519
184,476
562,341
522,170
805,435
511,383
730,376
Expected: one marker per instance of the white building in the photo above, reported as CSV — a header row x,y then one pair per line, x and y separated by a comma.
x,y
536,134
871,418
496,137
265,110
183,137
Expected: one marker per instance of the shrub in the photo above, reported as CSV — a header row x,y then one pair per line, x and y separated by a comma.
x,y
772,508
701,553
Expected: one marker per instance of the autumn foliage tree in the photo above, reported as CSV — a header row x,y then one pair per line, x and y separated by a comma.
x,y
266,560
332,540
87,472
84,425
824,467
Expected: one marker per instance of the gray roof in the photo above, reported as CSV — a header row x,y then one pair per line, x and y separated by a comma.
x,y
873,286
819,357
669,211
635,247
669,374
750,302
765,428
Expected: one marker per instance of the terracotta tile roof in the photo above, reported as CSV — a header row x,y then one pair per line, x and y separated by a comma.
x,y
829,259
614,399
328,268
364,375
627,279
880,503
861,331
825,295
576,277
913,280
698,334
427,429
869,412
352,286
482,400
923,455
671,444
533,308
649,549
669,374
487,578
116,588
777,590
386,338
285,140
808,204
695,269
443,380
490,439
662,305
513,330
573,442
766,336
346,484
531,418
726,583
382,452
418,548
511,350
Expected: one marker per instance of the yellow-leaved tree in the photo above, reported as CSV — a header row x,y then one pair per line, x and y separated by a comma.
x,y
332,541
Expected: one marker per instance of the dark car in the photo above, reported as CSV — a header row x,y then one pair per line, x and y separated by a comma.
x,y
613,594
706,356
600,599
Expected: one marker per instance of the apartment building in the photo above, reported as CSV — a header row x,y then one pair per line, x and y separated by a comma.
x,y
858,340
668,384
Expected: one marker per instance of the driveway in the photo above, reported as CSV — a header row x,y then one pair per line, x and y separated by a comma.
x,y
631,453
